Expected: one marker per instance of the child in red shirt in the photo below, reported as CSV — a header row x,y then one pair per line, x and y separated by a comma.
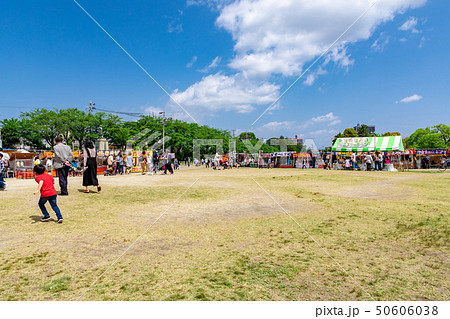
x,y
48,192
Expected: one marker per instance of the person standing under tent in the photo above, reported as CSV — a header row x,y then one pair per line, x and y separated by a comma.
x,y
353,158
61,162
347,164
368,160
377,161
381,160
329,161
90,167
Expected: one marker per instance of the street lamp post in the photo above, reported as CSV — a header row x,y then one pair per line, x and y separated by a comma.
x,y
164,124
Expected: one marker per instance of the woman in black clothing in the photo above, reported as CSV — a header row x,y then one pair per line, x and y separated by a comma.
x,y
90,167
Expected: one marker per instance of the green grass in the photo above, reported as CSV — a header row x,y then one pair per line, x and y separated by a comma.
x,y
225,239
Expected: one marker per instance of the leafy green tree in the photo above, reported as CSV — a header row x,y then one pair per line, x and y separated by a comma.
x,y
247,136
41,124
363,131
11,132
350,132
437,136
444,131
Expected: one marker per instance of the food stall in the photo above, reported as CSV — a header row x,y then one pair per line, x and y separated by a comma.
x,y
283,159
430,158
370,145
302,158
20,164
404,159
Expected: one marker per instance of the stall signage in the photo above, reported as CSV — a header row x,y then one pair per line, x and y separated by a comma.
x,y
406,152
282,154
431,152
301,155
353,143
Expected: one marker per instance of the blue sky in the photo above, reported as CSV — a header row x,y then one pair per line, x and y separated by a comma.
x,y
225,62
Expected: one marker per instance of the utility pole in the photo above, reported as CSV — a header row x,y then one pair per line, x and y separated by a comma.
x,y
91,106
233,132
1,142
164,124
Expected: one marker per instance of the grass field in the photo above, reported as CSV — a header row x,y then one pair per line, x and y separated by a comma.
x,y
225,238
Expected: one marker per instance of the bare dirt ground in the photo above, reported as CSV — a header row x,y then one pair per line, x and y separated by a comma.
x,y
230,235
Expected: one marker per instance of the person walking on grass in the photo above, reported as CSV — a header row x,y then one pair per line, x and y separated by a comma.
x,y
150,162
61,162
90,167
168,164
2,170
129,160
110,162
48,193
143,160
155,161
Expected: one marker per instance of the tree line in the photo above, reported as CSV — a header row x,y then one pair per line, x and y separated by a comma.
x,y
38,129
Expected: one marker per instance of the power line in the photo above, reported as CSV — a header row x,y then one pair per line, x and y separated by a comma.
x,y
118,112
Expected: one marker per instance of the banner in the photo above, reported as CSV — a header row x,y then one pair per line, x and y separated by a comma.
x,y
368,144
282,154
431,152
296,155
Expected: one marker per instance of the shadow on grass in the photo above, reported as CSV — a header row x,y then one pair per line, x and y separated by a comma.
x,y
81,190
35,219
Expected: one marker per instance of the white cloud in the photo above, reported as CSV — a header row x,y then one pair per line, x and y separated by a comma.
x,y
280,37
422,42
330,117
313,75
410,25
276,126
212,65
380,44
412,98
294,128
213,4
191,63
322,132
219,92
175,27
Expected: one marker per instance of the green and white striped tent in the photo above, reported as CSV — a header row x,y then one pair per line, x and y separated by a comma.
x,y
368,144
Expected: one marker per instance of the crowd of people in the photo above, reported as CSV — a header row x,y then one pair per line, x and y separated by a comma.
x,y
362,161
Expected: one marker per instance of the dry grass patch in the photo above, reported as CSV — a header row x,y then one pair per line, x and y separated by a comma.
x,y
225,239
